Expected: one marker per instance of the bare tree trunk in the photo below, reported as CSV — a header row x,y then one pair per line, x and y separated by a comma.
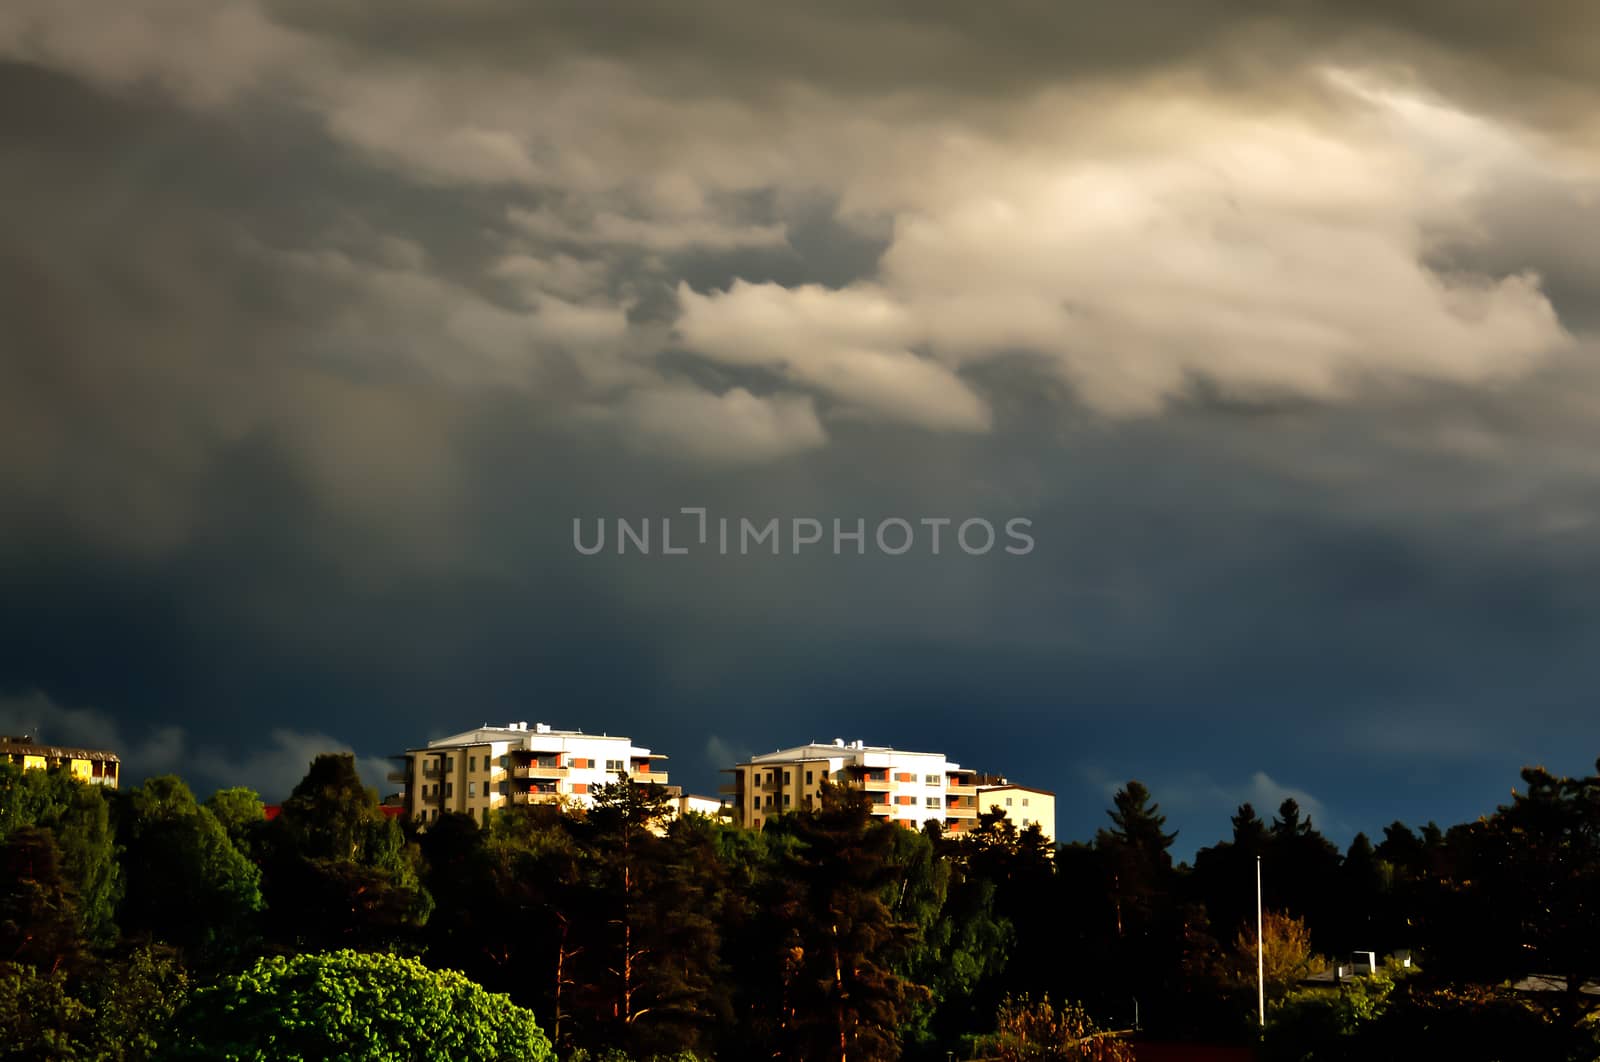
x,y
561,962
838,990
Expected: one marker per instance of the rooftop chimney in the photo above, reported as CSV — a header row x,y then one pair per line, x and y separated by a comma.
x,y
838,743
538,728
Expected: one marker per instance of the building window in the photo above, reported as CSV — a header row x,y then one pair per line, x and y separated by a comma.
x,y
449,763
1008,802
769,800
505,761
786,800
613,765
1024,801
808,778
486,816
472,764
472,789
933,802
449,789
755,824
931,779
486,761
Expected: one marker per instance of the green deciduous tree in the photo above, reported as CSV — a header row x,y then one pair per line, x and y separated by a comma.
x,y
39,1014
1286,959
354,1006
186,882
1520,893
241,814
39,924
76,814
117,1009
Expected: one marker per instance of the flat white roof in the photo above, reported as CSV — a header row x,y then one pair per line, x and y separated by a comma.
x,y
823,750
1014,785
529,736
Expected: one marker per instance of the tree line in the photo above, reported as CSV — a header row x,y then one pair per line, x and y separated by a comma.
x,y
148,924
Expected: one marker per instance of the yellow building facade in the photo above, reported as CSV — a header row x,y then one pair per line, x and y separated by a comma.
x,y
906,788
94,766
1024,805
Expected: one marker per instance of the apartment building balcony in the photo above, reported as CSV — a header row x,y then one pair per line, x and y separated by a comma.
x,y
960,813
650,778
534,798
961,790
534,770
876,785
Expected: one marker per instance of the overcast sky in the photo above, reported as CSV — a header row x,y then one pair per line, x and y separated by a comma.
x,y
323,320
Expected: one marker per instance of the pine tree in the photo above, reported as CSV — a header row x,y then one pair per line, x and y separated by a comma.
x,y
1139,881
650,949
843,997
338,872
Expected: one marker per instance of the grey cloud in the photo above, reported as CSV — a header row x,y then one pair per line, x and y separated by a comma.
x,y
271,767
158,750
1169,233
948,47
734,426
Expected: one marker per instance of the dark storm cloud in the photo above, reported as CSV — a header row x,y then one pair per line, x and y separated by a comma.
x,y
954,48
321,328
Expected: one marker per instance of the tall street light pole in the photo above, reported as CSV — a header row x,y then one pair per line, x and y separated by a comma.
x,y
1261,955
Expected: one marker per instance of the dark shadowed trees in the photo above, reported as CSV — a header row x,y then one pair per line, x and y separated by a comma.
x,y
841,945
339,873
186,883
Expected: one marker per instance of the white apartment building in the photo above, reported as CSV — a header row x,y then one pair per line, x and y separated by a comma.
x,y
491,767
908,788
